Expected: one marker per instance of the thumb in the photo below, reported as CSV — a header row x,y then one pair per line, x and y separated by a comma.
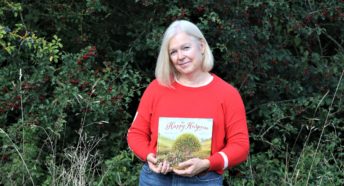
x,y
186,163
151,158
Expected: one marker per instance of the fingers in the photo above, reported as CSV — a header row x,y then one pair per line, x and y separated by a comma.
x,y
187,163
162,167
188,172
165,168
187,168
155,168
151,158
191,167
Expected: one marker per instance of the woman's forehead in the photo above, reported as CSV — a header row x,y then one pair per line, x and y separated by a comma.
x,y
180,39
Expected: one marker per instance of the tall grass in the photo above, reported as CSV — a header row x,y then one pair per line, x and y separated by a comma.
x,y
314,164
79,163
326,124
310,155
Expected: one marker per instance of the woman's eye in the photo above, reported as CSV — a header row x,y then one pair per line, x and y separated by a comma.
x,y
173,52
186,48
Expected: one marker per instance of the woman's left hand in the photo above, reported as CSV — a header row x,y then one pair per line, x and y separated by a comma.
x,y
193,167
162,167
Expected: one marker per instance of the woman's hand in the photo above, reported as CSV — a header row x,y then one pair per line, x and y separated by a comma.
x,y
193,167
162,167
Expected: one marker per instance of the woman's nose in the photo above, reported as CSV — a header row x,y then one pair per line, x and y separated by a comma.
x,y
180,55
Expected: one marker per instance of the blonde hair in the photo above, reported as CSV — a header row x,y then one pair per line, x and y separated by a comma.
x,y
165,72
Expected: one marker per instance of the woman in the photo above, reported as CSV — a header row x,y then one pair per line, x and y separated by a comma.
x,y
185,88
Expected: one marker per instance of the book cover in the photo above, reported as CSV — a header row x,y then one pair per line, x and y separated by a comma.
x,y
180,139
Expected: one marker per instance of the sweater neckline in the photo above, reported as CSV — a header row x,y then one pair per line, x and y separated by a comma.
x,y
196,86
204,85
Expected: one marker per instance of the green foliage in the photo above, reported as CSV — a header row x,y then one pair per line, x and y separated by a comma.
x,y
187,142
122,169
71,69
45,105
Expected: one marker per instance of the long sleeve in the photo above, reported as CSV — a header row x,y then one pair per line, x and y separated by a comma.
x,y
217,100
236,135
139,134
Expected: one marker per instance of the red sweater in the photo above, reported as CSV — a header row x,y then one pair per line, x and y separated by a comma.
x,y
218,100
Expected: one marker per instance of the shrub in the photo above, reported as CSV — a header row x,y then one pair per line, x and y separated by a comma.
x,y
67,67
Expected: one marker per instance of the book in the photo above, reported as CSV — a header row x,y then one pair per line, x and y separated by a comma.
x,y
180,139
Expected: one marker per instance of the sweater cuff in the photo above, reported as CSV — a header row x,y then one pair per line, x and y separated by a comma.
x,y
142,155
145,154
217,161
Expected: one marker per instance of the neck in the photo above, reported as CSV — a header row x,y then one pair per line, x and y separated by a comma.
x,y
195,80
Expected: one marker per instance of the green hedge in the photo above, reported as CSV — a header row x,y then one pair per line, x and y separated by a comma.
x,y
72,73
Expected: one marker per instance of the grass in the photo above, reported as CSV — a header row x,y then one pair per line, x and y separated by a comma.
x,y
312,165
79,162
315,164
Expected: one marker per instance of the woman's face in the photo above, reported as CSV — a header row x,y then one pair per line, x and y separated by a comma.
x,y
185,54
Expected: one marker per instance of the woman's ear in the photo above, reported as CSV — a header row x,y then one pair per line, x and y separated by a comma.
x,y
202,45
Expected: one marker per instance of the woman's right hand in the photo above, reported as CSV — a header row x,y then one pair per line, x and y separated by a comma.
x,y
162,167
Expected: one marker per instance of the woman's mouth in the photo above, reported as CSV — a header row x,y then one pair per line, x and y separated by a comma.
x,y
184,64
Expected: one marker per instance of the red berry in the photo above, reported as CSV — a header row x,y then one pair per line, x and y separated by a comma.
x,y
85,57
74,81
5,89
41,98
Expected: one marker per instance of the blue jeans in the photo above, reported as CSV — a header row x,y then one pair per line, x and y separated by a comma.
x,y
150,178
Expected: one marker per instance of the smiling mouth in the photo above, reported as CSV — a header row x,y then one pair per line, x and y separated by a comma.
x,y
183,64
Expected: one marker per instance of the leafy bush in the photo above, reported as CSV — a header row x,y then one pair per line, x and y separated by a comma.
x,y
122,169
73,72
